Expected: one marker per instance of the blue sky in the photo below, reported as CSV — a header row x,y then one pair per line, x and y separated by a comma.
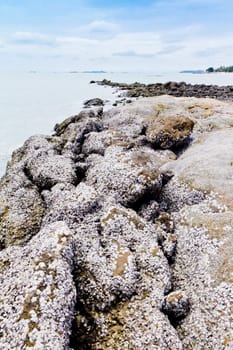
x,y
118,35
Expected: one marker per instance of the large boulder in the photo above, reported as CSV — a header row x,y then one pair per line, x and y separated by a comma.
x,y
48,170
169,131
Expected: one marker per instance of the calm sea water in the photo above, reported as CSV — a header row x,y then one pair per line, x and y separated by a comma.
x,y
34,103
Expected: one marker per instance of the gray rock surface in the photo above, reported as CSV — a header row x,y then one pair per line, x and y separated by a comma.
x,y
93,102
109,243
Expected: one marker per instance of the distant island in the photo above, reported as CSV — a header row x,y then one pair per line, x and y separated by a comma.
x,y
228,69
195,71
95,71
88,71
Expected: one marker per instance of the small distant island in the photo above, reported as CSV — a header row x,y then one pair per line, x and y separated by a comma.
x,y
224,69
191,71
95,71
88,71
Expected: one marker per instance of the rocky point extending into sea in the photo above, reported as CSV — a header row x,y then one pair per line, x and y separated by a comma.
x,y
116,231
178,89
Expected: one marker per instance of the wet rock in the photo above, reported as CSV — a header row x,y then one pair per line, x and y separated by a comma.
x,y
166,132
93,102
37,291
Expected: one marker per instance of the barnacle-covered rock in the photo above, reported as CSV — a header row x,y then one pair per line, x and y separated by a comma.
x,y
129,175
169,131
37,293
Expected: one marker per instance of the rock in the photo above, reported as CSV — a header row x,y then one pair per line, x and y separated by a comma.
x,y
119,286
203,226
167,132
74,135
172,88
149,211
98,142
21,210
37,291
46,171
166,222
70,204
93,102
81,117
129,176
168,243
97,227
176,305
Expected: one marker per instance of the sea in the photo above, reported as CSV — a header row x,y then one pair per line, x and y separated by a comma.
x,y
33,102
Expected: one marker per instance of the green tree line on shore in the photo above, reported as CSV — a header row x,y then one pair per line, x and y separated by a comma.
x,y
228,69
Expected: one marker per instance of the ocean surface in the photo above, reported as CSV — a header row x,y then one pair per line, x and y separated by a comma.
x,y
32,103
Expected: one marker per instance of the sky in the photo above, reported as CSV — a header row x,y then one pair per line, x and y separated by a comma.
x,y
122,35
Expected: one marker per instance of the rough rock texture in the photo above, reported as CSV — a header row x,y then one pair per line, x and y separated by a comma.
x,y
166,132
37,291
93,102
129,175
108,241
21,210
121,284
176,305
173,88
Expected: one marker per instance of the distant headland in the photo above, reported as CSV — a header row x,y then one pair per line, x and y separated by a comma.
x,y
224,69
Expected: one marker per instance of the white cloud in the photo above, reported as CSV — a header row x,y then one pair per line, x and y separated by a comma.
x,y
32,38
99,26
123,51
75,40
170,49
132,54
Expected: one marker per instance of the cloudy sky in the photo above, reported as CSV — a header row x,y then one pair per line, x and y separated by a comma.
x,y
121,35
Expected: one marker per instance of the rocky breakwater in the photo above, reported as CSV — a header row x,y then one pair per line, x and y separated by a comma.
x,y
116,231
178,89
